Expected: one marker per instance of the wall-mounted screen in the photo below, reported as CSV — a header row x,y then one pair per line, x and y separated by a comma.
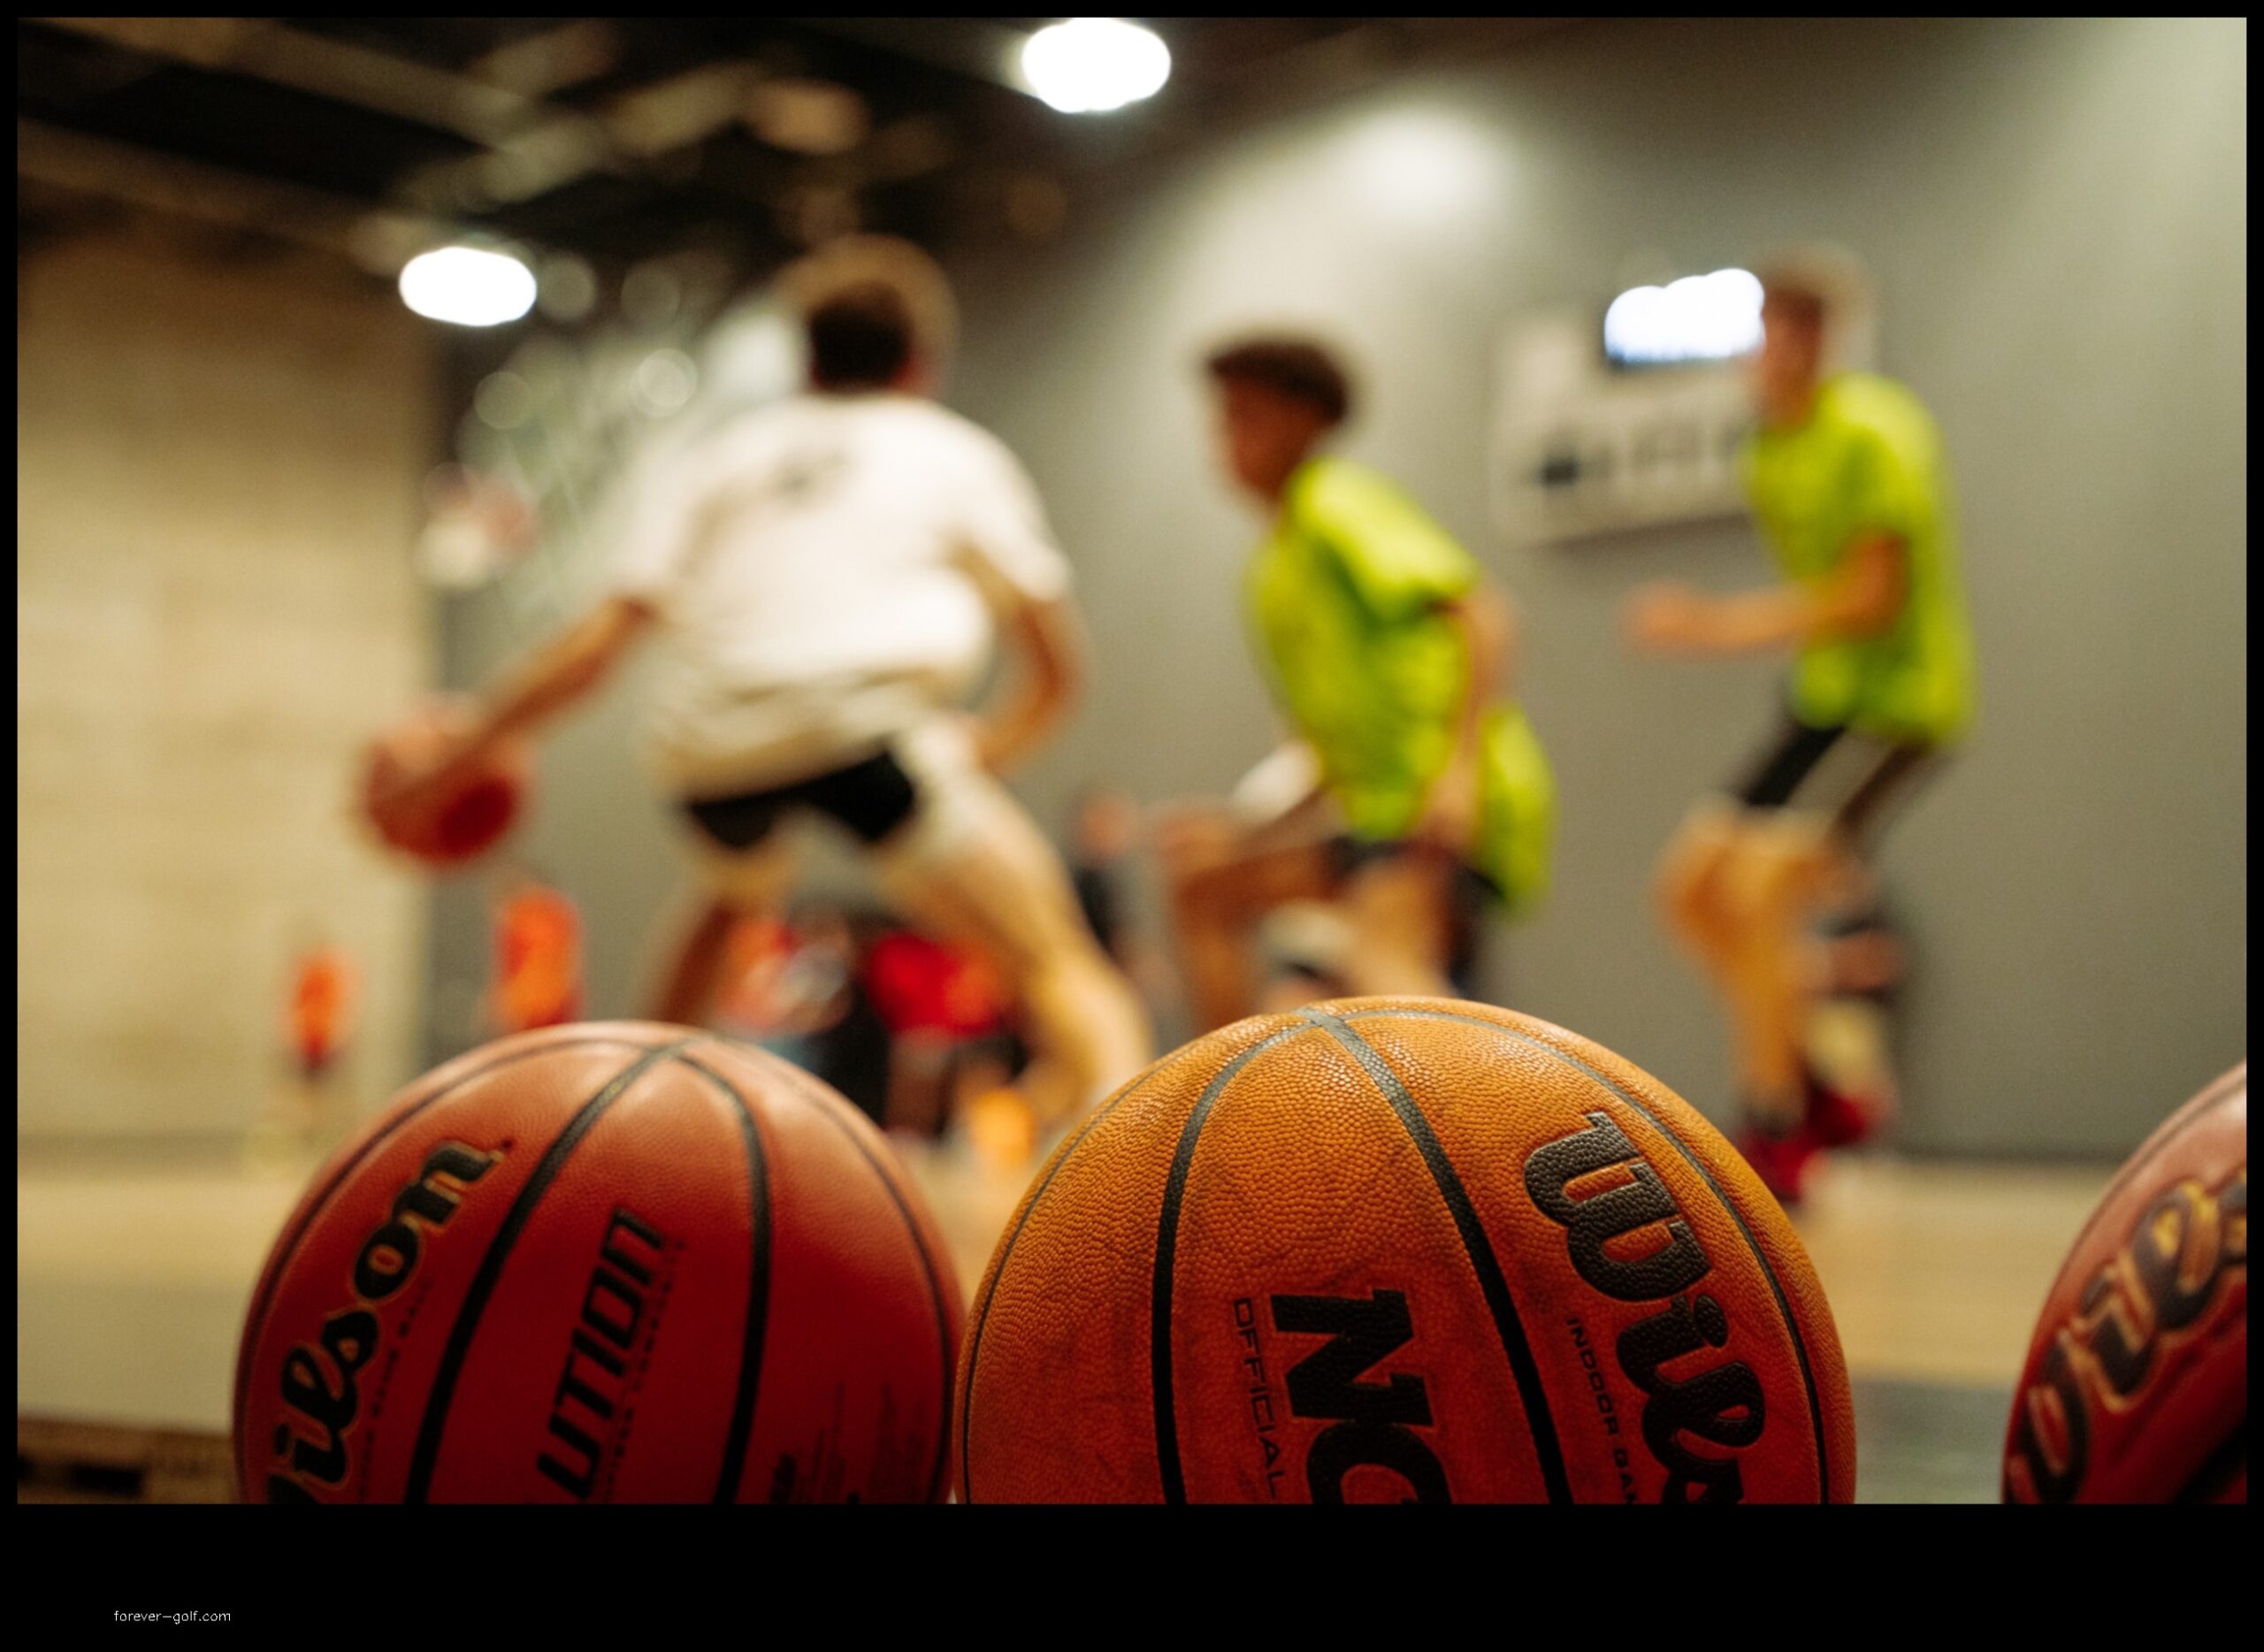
x,y
1698,318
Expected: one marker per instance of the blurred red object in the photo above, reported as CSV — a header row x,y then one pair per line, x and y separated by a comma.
x,y
442,820
321,1015
538,959
920,985
2135,1388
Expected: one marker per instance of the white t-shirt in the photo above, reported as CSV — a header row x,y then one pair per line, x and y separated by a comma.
x,y
821,566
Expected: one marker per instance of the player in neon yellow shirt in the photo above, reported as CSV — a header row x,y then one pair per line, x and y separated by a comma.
x,y
1424,797
1849,488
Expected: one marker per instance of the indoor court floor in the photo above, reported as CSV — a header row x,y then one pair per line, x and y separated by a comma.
x,y
132,1283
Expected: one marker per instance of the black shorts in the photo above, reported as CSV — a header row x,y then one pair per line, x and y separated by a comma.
x,y
1853,778
871,799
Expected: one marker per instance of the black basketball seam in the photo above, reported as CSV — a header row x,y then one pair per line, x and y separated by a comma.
x,y
1776,1288
825,1105
1182,1161
2225,1459
255,1322
755,1331
998,1270
458,1348
1476,1243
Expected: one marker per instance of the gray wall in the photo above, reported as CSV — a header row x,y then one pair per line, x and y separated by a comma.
x,y
2056,215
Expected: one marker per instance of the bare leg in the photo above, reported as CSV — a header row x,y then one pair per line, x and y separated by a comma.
x,y
1693,885
1216,903
688,988
1402,911
917,1068
1085,1029
733,884
1777,872
973,867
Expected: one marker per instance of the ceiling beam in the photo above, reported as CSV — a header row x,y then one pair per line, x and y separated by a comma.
x,y
167,184
528,148
972,47
338,70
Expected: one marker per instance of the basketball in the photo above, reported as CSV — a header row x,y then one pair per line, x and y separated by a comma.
x,y
448,825
617,1262
2136,1389
1400,1250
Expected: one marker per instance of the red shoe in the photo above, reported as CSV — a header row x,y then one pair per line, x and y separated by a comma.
x,y
1780,1161
1834,1119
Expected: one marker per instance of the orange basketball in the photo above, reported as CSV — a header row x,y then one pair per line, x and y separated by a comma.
x,y
446,825
2137,1384
614,1262
1400,1250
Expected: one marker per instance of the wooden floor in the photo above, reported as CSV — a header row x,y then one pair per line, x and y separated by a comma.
x,y
132,1284
1936,1272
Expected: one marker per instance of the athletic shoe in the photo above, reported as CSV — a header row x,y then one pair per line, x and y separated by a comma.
x,y
1834,1119
1780,1161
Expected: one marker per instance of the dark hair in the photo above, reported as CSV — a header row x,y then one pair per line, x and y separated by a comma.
x,y
860,337
1810,308
1819,283
1296,368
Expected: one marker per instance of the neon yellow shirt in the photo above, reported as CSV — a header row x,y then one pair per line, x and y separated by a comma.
x,y
1344,597
1869,460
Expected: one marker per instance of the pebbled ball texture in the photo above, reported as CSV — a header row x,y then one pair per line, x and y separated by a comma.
x,y
1400,1249
614,1262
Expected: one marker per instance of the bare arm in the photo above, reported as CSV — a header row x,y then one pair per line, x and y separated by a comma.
x,y
569,668
1862,599
1045,670
545,682
1486,620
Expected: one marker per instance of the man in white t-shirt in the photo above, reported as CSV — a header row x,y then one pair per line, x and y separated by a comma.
x,y
824,578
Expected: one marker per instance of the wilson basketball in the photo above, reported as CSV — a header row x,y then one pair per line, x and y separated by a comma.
x,y
2136,1389
444,825
1401,1249
612,1262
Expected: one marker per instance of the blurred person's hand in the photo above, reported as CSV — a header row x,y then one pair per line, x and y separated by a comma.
x,y
1192,837
422,755
1667,616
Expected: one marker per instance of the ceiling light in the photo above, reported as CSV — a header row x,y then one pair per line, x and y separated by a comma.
x,y
467,286
1091,65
